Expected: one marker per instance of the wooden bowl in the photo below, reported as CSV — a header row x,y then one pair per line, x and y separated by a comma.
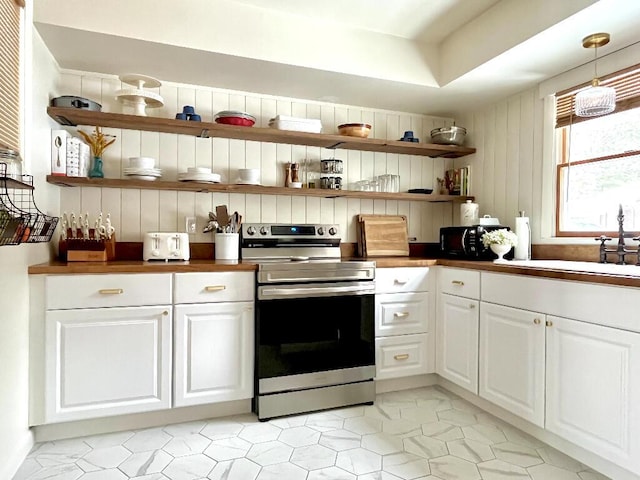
x,y
354,129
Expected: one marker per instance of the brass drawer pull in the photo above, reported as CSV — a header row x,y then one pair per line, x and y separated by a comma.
x,y
401,314
536,321
402,356
460,283
400,281
549,323
111,291
165,313
214,288
472,306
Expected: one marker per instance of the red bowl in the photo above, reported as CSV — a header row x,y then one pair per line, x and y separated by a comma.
x,y
242,122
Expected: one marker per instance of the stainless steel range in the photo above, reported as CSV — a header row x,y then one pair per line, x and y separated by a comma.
x,y
314,320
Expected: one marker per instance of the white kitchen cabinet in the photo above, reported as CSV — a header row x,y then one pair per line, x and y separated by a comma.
x,y
512,360
107,361
404,322
457,340
593,389
111,360
213,337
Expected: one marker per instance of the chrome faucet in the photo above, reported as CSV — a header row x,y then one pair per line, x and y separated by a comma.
x,y
620,251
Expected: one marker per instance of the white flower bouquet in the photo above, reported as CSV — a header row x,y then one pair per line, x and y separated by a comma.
x,y
499,237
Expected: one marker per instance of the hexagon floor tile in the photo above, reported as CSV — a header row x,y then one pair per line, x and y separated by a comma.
x,y
420,434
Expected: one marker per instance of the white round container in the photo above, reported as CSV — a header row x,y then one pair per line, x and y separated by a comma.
x,y
226,246
469,213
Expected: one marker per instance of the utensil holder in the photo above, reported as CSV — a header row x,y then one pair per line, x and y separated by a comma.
x,y
227,245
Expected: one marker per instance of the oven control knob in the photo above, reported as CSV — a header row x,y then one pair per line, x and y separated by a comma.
x,y
320,231
332,231
263,230
251,231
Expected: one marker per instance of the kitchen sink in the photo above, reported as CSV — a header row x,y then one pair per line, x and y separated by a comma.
x,y
587,267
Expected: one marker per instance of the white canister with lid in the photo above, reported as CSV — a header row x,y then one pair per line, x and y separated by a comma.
x,y
469,213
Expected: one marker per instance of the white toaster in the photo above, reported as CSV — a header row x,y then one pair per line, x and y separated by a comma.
x,y
165,246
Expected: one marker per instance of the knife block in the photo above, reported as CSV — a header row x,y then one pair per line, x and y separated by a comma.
x,y
85,250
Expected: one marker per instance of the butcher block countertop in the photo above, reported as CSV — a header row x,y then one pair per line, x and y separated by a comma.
x,y
627,275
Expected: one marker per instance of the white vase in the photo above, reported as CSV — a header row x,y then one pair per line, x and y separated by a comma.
x,y
500,250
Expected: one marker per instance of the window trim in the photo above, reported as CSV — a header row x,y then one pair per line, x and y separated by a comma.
x,y
565,163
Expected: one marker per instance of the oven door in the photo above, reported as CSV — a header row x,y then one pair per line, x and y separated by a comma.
x,y
309,335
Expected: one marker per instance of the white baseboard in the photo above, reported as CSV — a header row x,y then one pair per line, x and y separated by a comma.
x,y
406,383
10,465
81,428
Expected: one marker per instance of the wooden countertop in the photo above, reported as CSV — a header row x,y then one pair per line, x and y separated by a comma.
x,y
64,268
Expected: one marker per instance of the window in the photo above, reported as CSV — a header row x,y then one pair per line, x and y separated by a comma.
x,y
598,165
10,11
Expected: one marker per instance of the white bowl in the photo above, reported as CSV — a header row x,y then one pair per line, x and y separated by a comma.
x,y
142,162
205,170
295,184
249,175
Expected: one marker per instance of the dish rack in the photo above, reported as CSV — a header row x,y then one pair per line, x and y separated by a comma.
x,y
20,219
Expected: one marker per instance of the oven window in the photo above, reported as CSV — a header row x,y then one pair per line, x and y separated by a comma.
x,y
305,335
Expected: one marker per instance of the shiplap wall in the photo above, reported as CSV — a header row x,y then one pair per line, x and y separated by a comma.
x,y
135,212
508,164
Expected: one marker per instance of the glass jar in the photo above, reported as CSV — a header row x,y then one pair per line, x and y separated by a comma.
x,y
332,165
13,163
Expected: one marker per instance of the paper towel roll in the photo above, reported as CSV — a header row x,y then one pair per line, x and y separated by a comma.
x,y
522,251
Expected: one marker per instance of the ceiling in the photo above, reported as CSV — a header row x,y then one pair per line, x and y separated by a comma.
x,y
438,57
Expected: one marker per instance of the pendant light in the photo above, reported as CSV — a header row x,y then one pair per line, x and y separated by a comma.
x,y
595,100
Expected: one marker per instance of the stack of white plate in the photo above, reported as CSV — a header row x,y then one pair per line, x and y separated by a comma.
x,y
143,173
199,174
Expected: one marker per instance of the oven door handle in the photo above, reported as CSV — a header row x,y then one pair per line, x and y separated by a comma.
x,y
320,291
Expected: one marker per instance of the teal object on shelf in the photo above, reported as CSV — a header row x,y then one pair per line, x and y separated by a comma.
x,y
96,169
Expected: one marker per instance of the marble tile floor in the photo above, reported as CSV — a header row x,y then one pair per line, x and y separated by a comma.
x,y
421,434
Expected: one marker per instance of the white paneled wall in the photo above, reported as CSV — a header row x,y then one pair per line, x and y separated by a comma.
x,y
134,212
508,163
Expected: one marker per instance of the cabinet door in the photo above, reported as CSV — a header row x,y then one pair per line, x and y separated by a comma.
x,y
107,361
457,344
512,360
403,355
593,389
402,313
213,352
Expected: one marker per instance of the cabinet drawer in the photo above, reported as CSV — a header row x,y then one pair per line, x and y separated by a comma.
x,y
95,291
403,356
403,279
456,281
214,287
402,313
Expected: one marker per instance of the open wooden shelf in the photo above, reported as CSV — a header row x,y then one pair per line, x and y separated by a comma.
x,y
255,189
74,116
11,183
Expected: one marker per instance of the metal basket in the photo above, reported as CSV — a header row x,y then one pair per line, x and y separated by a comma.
x,y
20,219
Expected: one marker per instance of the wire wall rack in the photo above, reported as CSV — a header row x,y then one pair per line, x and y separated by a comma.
x,y
20,219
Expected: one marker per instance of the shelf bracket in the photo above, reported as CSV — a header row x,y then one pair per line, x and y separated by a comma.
x,y
335,145
65,121
204,133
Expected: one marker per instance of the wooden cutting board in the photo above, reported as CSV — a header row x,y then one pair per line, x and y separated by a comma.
x,y
384,235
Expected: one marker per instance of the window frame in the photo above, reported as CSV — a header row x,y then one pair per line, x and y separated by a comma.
x,y
563,121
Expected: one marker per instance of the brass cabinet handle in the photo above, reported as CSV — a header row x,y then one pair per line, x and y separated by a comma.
x,y
401,281
402,356
111,291
457,282
165,313
214,288
472,306
401,314
549,323
536,321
